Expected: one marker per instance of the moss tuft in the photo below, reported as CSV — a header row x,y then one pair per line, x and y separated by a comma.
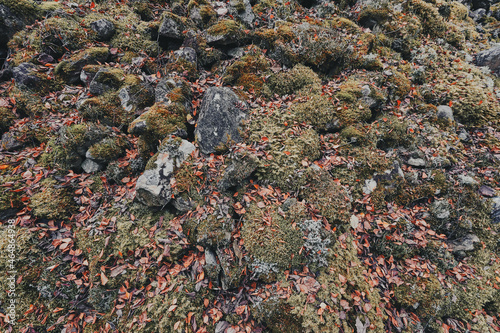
x,y
53,201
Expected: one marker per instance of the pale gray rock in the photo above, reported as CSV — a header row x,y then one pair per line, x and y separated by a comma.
x,y
445,112
91,166
440,209
464,244
154,187
416,162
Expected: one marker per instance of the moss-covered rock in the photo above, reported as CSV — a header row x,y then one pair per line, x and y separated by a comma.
x,y
69,69
300,79
272,238
107,109
248,71
53,201
157,123
225,32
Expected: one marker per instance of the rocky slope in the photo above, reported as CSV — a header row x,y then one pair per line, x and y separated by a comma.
x,y
250,166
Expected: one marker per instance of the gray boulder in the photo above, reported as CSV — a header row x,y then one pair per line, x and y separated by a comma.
x,y
153,187
445,112
491,59
171,28
464,244
242,9
25,76
104,29
186,53
221,112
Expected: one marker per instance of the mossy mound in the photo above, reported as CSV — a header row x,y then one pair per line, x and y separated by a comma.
x,y
300,79
11,193
329,197
468,91
68,148
157,123
54,36
7,118
342,297
41,278
287,150
70,68
248,71
273,241
211,230
106,109
53,201
108,149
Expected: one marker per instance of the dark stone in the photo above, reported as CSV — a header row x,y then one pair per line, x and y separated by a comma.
x,y
5,74
24,75
220,114
171,28
10,23
490,58
9,142
237,171
45,58
104,29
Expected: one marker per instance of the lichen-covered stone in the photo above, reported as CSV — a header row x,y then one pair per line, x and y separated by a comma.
x,y
220,114
69,70
154,185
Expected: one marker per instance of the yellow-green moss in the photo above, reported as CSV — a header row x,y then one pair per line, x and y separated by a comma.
x,y
161,120
11,194
109,149
6,119
271,239
300,79
248,71
343,263
53,201
107,109
327,196
432,21
317,111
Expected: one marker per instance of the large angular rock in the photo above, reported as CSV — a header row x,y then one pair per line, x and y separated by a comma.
x,y
153,187
25,75
69,70
172,27
13,20
490,58
220,114
104,29
242,9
